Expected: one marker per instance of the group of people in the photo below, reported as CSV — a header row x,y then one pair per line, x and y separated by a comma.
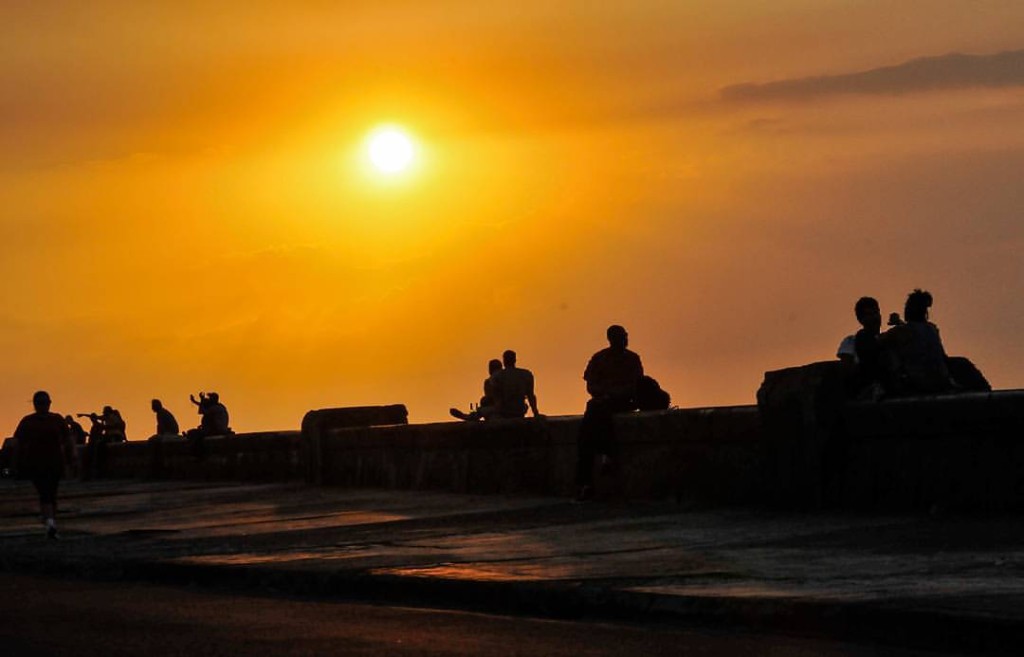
x,y
616,383
907,359
213,417
46,443
107,427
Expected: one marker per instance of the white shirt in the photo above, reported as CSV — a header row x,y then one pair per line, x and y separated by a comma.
x,y
847,348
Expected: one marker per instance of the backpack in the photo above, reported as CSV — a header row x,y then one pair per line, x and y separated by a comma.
x,y
650,396
967,375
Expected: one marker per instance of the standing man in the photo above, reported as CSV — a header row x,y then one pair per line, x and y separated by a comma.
x,y
612,376
44,448
512,388
166,425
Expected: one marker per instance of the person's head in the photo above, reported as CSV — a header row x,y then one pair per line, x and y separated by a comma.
x,y
69,419
508,358
493,365
41,401
868,313
617,337
213,397
156,405
107,410
916,308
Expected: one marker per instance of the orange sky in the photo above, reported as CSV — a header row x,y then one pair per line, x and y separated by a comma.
x,y
183,208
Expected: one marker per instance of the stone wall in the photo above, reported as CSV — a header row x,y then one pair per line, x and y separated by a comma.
x,y
266,456
806,446
944,452
939,452
707,456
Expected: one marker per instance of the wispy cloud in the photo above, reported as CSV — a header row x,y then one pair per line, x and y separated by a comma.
x,y
952,71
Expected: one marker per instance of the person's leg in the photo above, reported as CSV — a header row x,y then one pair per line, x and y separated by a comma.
x,y
609,447
46,486
591,441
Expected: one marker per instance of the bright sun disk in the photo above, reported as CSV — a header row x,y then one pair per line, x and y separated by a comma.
x,y
390,150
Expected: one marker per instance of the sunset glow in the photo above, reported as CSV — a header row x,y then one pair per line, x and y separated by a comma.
x,y
263,201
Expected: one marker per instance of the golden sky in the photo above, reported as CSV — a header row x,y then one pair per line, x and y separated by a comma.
x,y
184,204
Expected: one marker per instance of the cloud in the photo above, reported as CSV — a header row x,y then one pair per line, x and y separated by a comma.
x,y
952,71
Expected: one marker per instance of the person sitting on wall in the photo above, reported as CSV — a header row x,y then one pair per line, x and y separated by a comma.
x,y
166,424
214,421
95,436
487,403
107,427
113,425
612,376
513,389
201,403
919,359
75,430
862,353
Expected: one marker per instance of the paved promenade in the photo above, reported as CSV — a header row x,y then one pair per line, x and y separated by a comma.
x,y
946,582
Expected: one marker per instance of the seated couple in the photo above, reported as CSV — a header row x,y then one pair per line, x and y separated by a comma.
x,y
507,391
908,359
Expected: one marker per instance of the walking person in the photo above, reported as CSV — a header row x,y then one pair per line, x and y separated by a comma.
x,y
44,449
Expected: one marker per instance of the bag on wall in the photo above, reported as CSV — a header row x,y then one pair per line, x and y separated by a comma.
x,y
650,396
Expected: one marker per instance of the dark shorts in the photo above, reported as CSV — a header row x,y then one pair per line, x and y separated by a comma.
x,y
46,485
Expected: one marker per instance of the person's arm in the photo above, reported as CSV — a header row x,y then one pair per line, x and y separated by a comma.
x,y
531,397
896,336
595,388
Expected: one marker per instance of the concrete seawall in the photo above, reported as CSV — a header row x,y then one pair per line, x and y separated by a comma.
x,y
705,455
265,456
803,446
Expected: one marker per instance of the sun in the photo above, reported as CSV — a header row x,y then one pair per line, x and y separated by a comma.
x,y
390,149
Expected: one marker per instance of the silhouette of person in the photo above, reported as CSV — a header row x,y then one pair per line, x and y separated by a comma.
x,y
863,352
612,376
75,430
44,449
214,420
919,357
513,389
166,424
487,404
113,425
202,402
107,427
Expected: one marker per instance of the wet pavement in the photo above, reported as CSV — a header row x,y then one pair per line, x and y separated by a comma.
x,y
955,582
